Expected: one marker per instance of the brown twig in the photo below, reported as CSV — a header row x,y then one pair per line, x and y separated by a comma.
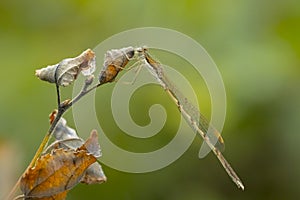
x,y
62,108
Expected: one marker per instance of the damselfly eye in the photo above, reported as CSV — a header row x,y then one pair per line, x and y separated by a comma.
x,y
145,48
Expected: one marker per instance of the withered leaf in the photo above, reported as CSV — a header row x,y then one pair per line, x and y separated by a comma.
x,y
114,61
55,173
67,138
68,69
92,144
60,196
62,131
94,174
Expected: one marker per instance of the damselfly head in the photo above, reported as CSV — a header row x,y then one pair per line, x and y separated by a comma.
x,y
139,52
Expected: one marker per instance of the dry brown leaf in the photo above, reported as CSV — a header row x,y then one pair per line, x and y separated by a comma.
x,y
67,138
60,196
94,173
68,69
55,173
114,61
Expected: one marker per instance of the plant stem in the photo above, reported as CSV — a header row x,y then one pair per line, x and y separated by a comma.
x,y
62,108
83,92
57,86
40,149
19,197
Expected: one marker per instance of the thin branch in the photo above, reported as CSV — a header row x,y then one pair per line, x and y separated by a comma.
x,y
51,146
57,85
39,150
58,94
84,91
62,108
19,197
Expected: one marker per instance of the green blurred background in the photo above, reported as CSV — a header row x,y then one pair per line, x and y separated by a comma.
x,y
256,46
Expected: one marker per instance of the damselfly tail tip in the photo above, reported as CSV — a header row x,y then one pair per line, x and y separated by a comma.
x,y
240,185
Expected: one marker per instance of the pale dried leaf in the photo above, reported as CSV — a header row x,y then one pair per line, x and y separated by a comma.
x,y
68,69
94,174
114,61
92,144
62,131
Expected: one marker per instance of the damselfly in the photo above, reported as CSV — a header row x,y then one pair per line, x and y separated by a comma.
x,y
116,60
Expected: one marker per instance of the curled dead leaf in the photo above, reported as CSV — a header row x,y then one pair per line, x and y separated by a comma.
x,y
60,196
92,144
55,173
114,61
65,72
66,162
62,131
94,174
67,138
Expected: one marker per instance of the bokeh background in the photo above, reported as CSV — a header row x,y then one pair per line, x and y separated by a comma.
x,y
256,46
